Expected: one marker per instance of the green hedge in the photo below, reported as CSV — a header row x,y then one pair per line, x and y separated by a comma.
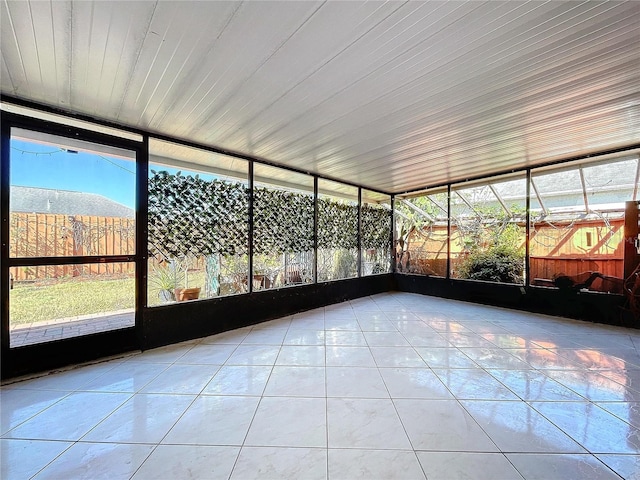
x,y
192,216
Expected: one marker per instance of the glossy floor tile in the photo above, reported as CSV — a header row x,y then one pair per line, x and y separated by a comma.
x,y
392,386
545,466
465,465
86,460
442,425
188,461
131,423
517,427
352,464
296,382
21,459
214,420
365,423
289,422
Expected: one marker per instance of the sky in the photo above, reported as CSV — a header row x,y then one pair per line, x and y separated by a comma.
x,y
47,166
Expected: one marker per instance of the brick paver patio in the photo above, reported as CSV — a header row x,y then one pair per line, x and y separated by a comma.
x,y
40,332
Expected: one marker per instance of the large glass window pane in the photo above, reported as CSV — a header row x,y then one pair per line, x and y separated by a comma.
x,y
69,198
421,233
283,216
53,302
376,233
577,224
488,230
198,224
337,231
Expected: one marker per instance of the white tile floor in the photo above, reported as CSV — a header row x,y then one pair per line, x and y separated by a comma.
x,y
390,386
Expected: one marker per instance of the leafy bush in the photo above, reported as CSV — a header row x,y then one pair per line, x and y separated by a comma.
x,y
500,258
496,264
189,216
345,264
337,224
192,216
376,227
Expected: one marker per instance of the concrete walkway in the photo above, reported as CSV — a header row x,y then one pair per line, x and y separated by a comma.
x,y
50,330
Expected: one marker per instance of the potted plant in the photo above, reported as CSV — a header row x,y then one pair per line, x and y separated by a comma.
x,y
185,293
165,277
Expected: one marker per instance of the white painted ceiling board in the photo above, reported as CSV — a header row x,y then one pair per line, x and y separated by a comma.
x,y
390,95
374,92
544,116
242,51
18,50
409,117
446,128
302,65
313,55
333,72
5,73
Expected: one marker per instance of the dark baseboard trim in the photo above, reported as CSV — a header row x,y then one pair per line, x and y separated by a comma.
x,y
588,306
61,353
185,321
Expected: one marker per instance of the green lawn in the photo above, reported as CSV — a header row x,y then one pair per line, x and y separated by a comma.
x,y
69,298
48,300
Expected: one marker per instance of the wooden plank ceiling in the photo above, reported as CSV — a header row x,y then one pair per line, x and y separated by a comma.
x,y
391,95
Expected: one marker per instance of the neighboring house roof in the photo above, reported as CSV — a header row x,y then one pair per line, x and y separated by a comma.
x,y
65,202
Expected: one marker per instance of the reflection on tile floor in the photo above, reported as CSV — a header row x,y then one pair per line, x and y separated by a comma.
x,y
390,386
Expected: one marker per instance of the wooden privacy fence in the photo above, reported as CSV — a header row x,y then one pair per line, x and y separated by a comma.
x,y
50,235
582,247
567,249
547,267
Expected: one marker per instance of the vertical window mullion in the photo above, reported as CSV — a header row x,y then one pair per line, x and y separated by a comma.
x,y
527,213
5,136
359,236
448,231
250,232
392,239
315,229
142,233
